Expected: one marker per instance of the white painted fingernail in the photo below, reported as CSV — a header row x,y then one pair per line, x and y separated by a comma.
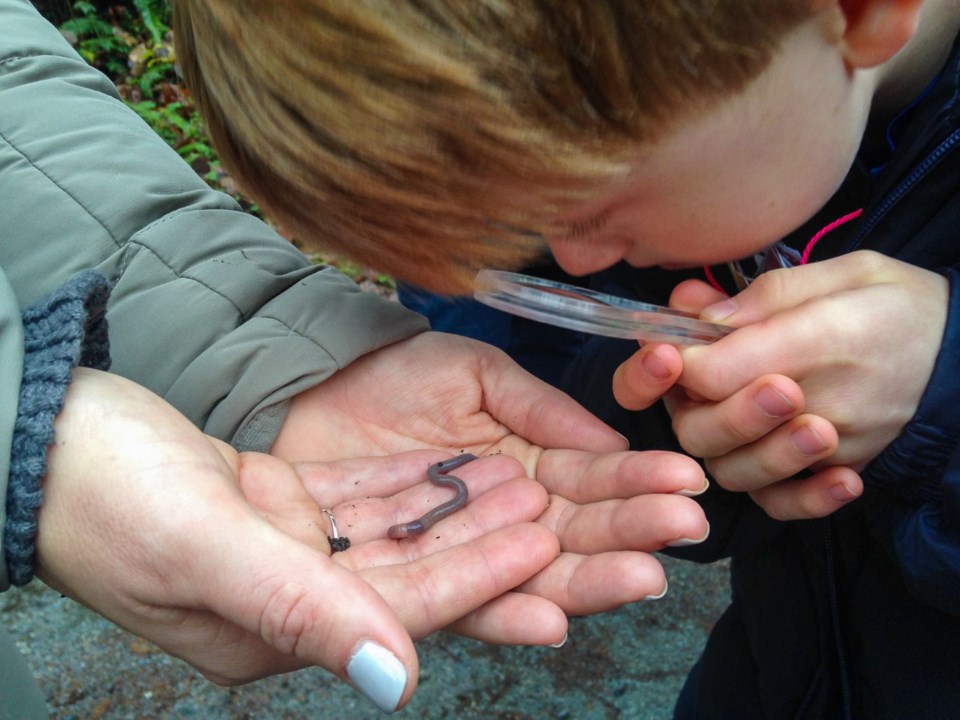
x,y
378,674
561,643
694,493
687,542
666,586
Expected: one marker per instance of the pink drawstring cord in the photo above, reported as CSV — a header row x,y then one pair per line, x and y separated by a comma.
x,y
832,226
805,256
712,280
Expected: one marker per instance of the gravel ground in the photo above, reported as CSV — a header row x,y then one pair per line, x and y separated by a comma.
x,y
628,664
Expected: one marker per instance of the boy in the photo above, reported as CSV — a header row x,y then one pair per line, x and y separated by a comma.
x,y
433,138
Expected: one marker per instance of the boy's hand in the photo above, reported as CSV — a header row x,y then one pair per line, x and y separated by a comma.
x,y
609,508
828,365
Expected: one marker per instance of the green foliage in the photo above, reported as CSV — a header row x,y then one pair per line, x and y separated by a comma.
x,y
155,16
133,45
179,125
98,41
131,42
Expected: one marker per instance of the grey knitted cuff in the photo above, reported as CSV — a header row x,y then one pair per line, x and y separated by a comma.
x,y
261,432
63,330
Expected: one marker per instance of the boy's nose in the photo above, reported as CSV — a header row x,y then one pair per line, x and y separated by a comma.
x,y
578,256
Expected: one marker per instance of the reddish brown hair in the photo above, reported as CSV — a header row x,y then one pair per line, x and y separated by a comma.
x,y
428,138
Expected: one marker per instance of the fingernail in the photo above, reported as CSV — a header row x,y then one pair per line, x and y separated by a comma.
x,y
625,440
720,310
687,542
655,367
841,493
808,442
773,403
377,673
666,586
561,643
694,493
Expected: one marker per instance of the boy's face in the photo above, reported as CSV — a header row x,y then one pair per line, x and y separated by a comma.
x,y
735,180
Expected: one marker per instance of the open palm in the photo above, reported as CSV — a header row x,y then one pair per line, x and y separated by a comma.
x,y
609,508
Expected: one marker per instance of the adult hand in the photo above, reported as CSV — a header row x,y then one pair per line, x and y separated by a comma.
x,y
222,559
827,367
609,508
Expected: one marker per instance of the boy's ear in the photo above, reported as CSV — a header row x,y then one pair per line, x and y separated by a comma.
x,y
876,30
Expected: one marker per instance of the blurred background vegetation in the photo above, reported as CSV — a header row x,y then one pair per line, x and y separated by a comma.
x,y
131,42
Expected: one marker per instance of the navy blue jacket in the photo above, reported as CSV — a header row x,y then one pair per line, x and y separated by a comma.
x,y
856,615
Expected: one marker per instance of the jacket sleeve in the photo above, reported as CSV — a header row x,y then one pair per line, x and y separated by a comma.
x,y
211,309
11,370
913,486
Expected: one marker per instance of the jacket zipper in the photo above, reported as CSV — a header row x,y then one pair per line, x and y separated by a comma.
x,y
902,189
834,600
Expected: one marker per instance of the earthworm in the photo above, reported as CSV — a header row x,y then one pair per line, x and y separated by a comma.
x,y
437,473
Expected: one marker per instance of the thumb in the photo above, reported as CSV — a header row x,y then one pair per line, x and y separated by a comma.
x,y
693,296
305,606
784,288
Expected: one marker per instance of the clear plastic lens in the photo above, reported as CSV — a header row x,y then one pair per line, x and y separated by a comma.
x,y
576,308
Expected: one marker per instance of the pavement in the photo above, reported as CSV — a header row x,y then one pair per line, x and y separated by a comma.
x,y
625,665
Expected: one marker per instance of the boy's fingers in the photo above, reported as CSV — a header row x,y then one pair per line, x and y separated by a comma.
x,y
693,296
808,498
788,450
708,430
645,376
776,290
717,371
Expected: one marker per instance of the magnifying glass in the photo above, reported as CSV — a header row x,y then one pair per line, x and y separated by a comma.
x,y
576,308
